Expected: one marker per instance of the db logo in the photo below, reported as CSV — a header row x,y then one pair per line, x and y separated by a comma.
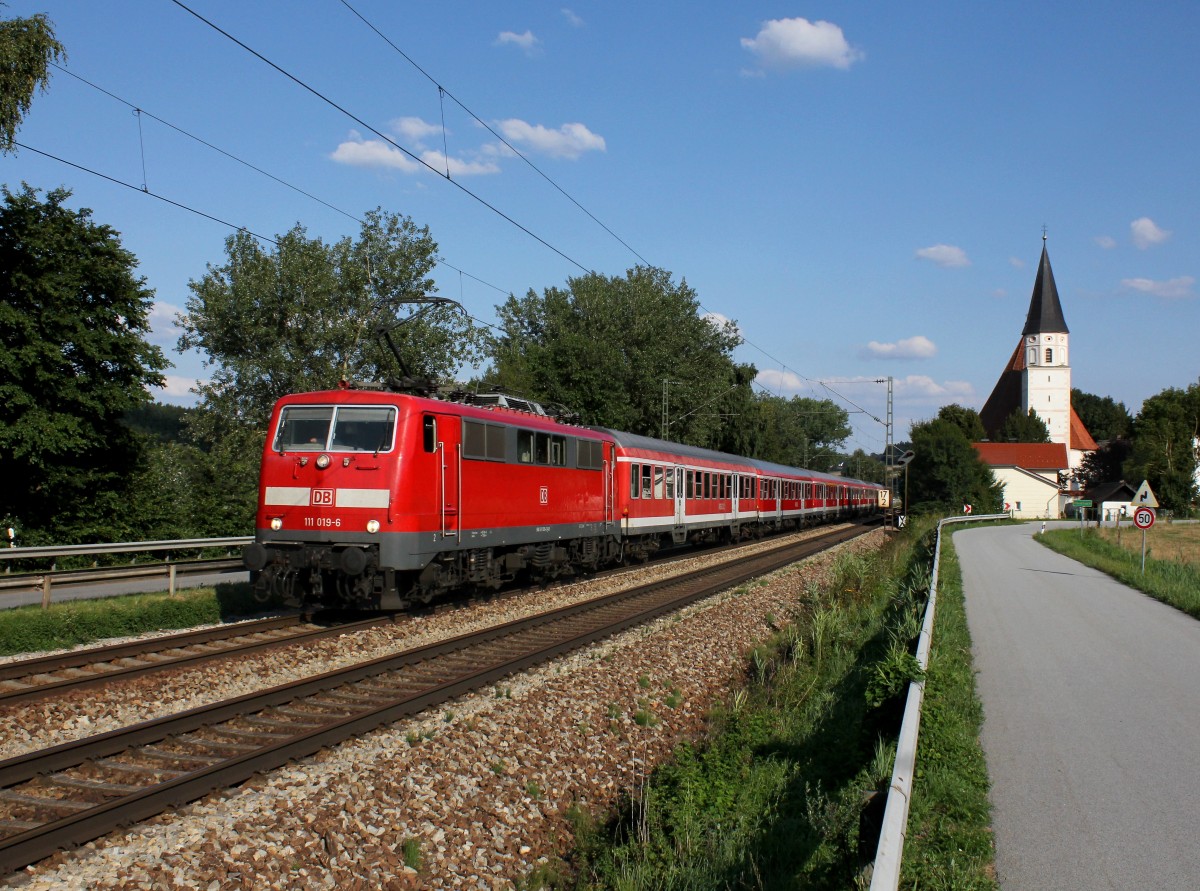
x,y
322,496
544,494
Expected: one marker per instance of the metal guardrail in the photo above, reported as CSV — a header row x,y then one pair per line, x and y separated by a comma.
x,y
885,875
171,568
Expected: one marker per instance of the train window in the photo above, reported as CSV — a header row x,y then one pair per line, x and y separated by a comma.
x,y
363,429
558,451
635,480
589,454
304,428
525,446
658,482
689,490
671,471
429,433
484,442
647,486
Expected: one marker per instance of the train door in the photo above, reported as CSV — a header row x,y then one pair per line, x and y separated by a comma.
x,y
680,498
777,495
610,484
447,440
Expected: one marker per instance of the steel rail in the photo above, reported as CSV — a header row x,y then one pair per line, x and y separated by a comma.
x,y
658,598
26,669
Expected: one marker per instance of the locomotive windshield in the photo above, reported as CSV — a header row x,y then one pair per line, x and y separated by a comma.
x,y
312,428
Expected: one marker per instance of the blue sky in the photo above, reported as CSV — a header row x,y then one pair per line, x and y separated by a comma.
x,y
860,186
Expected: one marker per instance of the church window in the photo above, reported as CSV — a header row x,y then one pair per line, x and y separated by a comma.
x,y
1049,355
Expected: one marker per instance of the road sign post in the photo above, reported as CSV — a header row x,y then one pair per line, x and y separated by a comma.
x,y
1143,518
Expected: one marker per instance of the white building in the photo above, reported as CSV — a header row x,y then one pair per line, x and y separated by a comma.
x,y
1029,472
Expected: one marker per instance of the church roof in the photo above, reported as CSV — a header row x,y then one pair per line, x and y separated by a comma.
x,y
1029,455
1045,310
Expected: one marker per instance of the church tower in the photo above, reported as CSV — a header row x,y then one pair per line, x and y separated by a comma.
x,y
1046,381
1038,375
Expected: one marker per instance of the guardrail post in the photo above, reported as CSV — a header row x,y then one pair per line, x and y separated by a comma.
x,y
45,592
171,579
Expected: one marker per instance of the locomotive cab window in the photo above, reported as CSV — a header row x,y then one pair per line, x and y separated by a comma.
x,y
429,433
364,429
304,428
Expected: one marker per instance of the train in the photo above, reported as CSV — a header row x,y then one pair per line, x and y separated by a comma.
x,y
382,500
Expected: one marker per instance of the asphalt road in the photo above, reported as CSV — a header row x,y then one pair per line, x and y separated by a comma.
x,y
1091,698
65,591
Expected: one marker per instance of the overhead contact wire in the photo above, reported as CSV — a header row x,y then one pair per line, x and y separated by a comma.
x,y
382,136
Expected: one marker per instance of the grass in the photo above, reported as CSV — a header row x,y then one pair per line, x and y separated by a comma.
x,y
782,793
69,623
949,843
1173,581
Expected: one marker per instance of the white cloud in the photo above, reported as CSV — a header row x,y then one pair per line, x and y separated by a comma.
x,y
359,152
799,43
945,255
1016,262
1107,242
572,19
568,141
780,381
457,166
414,129
1174,288
526,41
174,385
918,347
1146,233
920,386
375,153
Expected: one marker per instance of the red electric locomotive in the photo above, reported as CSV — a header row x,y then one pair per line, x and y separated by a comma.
x,y
380,500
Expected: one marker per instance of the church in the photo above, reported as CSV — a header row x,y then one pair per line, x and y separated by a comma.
x,y
1037,477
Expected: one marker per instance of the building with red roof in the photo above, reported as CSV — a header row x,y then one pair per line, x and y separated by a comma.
x,y
1032,474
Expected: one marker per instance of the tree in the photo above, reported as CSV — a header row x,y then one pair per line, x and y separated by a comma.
x,y
799,432
946,471
27,47
603,346
965,419
862,466
302,316
1164,446
1024,428
73,360
1104,418
1105,464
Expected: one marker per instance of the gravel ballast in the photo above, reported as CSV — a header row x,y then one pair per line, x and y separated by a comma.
x,y
475,796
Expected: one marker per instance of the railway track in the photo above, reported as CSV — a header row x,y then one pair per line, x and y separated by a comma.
x,y
37,678
69,794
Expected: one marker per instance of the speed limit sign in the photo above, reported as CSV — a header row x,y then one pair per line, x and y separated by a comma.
x,y
1143,517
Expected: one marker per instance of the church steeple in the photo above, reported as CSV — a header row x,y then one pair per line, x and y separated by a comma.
x,y
1045,312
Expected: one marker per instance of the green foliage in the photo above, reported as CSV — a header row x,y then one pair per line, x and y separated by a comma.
x,y
1171,582
949,840
27,47
1024,428
891,675
861,466
1104,418
798,432
1106,464
30,629
73,361
775,797
410,851
947,472
604,345
1164,452
965,419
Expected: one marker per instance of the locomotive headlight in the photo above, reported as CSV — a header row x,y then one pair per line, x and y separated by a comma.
x,y
276,523
323,461
372,526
